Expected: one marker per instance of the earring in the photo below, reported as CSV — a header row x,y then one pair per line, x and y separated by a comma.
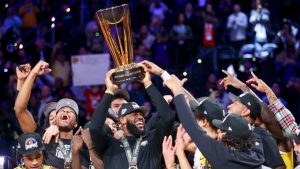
x,y
22,163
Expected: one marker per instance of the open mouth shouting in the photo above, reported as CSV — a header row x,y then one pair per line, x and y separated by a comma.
x,y
140,124
64,117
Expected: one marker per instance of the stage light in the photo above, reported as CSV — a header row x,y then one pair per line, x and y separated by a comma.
x,y
53,19
5,71
68,10
52,25
185,73
6,5
254,59
97,34
2,161
15,44
21,46
199,61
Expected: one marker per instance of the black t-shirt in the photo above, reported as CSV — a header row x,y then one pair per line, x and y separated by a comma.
x,y
54,156
271,152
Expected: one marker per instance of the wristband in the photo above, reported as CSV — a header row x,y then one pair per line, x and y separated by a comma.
x,y
148,85
165,76
109,92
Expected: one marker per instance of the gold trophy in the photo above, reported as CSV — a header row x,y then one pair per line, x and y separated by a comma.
x,y
116,29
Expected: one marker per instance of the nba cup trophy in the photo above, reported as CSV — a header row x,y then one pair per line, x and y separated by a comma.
x,y
116,29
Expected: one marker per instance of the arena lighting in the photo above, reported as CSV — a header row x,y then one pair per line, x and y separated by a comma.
x,y
53,19
21,46
97,34
185,73
68,10
6,5
254,59
199,61
52,25
15,44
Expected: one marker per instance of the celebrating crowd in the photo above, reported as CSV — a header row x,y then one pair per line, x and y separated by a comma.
x,y
250,134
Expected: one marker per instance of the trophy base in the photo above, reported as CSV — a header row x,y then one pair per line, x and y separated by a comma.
x,y
128,74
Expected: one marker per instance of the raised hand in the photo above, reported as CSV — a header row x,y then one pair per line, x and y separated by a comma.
x,y
23,71
230,80
41,68
258,84
181,144
51,131
168,152
151,67
77,141
110,86
174,84
147,79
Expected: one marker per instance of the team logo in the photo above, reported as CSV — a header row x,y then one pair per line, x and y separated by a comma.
x,y
30,143
123,111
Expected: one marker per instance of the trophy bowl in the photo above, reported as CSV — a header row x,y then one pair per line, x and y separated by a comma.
x,y
116,29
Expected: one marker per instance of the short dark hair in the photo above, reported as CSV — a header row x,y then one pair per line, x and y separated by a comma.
x,y
199,116
237,143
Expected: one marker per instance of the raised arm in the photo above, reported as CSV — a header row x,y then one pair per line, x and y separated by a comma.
x,y
165,114
266,117
230,80
156,70
214,151
22,72
24,117
282,114
97,161
97,122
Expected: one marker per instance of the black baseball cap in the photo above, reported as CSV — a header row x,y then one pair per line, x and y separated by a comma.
x,y
250,101
122,93
29,143
234,124
208,108
130,107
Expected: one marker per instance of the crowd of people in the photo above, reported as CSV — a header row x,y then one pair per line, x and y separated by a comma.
x,y
205,39
249,134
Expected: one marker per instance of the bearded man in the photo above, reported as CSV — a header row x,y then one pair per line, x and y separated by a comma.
x,y
137,148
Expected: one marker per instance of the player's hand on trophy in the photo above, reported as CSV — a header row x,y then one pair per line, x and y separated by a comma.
x,y
110,86
147,79
41,68
174,84
152,68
